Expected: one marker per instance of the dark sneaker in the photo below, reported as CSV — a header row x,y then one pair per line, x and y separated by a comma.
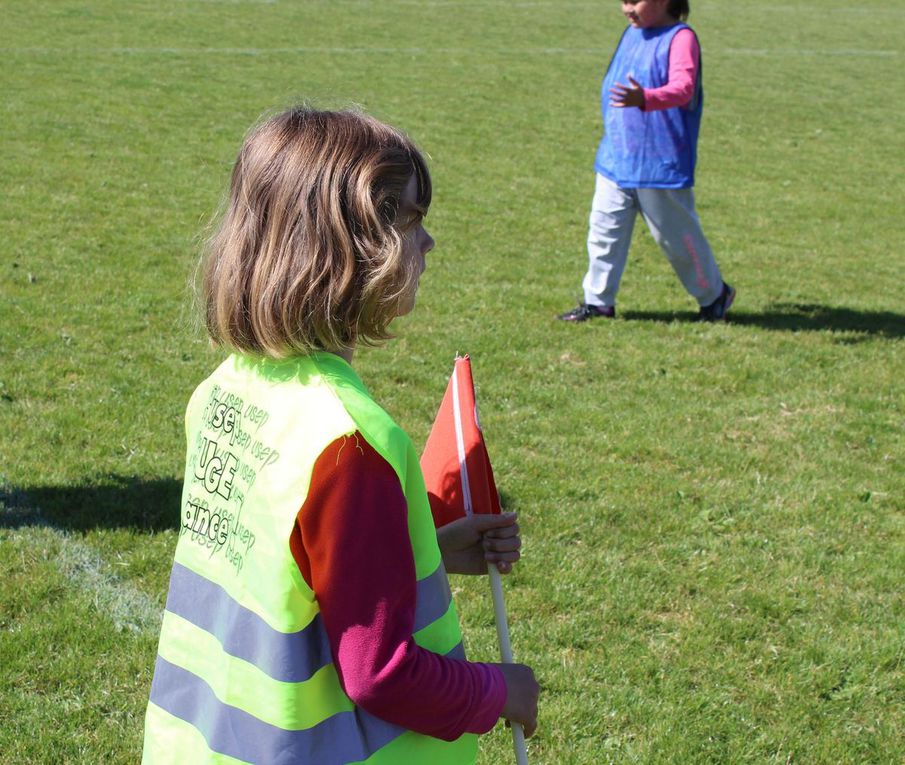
x,y
584,312
718,309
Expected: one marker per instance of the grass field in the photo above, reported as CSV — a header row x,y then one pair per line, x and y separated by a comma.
x,y
713,516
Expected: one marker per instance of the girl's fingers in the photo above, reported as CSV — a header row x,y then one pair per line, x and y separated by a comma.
x,y
502,533
502,544
511,556
494,524
507,558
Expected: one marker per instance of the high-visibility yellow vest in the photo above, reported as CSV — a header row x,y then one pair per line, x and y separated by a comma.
x,y
244,671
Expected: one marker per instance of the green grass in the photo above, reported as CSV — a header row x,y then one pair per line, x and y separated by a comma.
x,y
714,516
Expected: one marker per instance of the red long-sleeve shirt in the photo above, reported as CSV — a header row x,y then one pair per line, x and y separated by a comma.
x,y
352,546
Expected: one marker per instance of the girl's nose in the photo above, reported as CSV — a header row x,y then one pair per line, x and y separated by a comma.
x,y
428,244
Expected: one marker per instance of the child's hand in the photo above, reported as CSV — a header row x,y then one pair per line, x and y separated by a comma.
x,y
522,692
622,96
469,544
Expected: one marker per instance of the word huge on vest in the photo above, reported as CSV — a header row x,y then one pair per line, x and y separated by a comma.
x,y
641,149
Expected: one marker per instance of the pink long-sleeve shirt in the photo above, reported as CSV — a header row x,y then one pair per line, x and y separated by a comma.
x,y
351,543
684,62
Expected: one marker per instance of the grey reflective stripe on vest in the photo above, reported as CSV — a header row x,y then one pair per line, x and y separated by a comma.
x,y
432,598
345,737
292,657
458,652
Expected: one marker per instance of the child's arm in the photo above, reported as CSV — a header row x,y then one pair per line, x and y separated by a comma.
x,y
684,62
352,546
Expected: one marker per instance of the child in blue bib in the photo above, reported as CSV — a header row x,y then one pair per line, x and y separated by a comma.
x,y
652,100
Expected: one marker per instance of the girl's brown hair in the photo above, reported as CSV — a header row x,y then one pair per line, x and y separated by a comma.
x,y
308,254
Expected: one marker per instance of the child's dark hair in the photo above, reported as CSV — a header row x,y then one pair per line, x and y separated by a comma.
x,y
679,9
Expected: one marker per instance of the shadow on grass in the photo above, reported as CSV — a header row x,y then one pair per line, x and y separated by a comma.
x,y
122,502
119,502
798,317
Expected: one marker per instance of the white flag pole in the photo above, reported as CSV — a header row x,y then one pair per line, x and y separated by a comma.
x,y
496,582
502,631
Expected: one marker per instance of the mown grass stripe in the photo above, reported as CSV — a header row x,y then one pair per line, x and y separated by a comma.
x,y
419,51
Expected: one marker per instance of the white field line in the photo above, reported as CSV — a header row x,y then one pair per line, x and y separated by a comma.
x,y
414,3
127,607
418,51
795,52
560,4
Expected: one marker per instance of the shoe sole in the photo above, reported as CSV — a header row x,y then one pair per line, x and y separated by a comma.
x,y
579,319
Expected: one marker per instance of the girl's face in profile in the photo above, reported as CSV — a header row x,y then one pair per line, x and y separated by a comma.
x,y
416,242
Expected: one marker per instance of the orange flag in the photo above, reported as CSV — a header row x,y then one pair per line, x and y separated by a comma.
x,y
459,482
455,462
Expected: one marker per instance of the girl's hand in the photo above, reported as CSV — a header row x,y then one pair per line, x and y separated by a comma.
x,y
522,692
622,96
469,544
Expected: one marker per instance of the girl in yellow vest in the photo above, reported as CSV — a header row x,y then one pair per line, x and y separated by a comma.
x,y
309,618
